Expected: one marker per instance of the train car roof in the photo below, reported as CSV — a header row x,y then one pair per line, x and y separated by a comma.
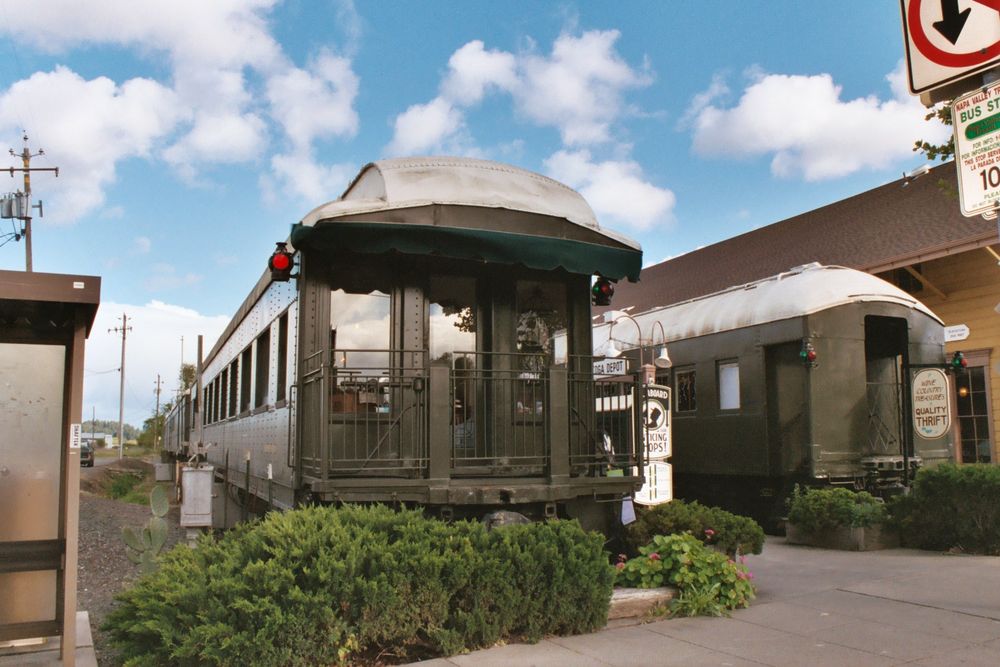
x,y
467,207
797,292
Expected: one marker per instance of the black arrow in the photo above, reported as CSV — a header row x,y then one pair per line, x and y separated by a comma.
x,y
952,21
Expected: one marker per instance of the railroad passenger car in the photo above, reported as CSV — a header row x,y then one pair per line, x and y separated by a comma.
x,y
803,377
411,357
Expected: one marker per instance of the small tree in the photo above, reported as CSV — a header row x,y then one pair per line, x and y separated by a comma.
x,y
943,151
186,376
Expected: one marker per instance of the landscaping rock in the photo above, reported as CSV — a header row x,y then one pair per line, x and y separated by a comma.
x,y
635,602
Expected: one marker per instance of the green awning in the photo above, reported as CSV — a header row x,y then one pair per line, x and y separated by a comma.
x,y
536,252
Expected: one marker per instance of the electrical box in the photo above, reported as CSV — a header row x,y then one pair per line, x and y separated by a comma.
x,y
196,496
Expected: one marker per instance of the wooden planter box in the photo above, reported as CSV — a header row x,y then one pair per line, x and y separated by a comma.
x,y
844,538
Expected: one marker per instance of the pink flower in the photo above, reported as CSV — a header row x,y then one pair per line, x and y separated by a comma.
x,y
654,556
749,575
620,565
709,532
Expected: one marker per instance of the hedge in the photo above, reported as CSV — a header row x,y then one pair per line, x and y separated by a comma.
x,y
728,532
815,510
322,585
952,507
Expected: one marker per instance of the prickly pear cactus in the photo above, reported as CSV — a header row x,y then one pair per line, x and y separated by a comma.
x,y
144,544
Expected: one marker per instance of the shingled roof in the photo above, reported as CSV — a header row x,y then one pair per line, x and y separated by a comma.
x,y
898,224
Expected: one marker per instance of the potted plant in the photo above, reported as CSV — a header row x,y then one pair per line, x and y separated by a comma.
x,y
837,518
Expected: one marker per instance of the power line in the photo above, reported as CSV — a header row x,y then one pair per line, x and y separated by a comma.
x,y
123,329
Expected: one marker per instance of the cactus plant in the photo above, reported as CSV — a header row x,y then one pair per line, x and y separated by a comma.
x,y
144,545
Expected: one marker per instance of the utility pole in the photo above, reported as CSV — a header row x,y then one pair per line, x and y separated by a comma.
x,y
123,330
25,214
156,415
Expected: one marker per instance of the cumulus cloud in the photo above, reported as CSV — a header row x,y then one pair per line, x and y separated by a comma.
x,y
230,83
300,175
810,131
615,189
105,124
153,346
578,89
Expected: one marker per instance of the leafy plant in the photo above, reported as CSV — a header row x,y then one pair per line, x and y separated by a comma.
x,y
815,510
144,545
952,506
122,484
728,532
323,585
708,582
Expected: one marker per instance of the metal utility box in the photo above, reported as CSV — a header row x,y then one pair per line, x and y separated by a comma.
x,y
163,472
196,496
44,322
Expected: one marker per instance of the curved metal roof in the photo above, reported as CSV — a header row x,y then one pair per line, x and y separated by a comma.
x,y
417,182
800,291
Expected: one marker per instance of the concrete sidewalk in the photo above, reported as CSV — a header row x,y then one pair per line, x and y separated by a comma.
x,y
813,607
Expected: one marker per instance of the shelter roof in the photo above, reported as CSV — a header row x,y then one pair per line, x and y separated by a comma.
x,y
898,224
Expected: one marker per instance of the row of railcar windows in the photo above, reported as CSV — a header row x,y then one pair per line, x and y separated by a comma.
x,y
230,392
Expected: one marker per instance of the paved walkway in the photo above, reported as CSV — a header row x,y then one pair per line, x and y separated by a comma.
x,y
813,607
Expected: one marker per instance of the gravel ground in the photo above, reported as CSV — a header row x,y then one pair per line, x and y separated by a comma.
x,y
104,567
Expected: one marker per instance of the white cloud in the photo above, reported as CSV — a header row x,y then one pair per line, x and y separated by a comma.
x,y
810,132
152,346
317,103
615,189
299,175
89,126
422,127
578,89
229,80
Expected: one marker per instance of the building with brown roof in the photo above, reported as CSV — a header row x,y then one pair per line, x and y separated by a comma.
x,y
909,232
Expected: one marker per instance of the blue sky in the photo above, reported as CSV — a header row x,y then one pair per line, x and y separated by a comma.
x,y
190,135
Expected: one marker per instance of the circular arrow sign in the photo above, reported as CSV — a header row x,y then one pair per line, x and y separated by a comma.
x,y
944,43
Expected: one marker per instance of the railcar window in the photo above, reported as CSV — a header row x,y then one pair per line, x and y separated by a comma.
x,y
245,359
452,316
729,385
282,357
234,375
223,387
263,368
687,400
542,312
360,335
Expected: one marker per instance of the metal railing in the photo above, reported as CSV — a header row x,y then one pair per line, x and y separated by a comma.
x,y
500,416
603,428
378,413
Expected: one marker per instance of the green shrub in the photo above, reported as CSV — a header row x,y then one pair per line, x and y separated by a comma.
x,y
728,532
708,582
322,585
122,485
952,506
815,510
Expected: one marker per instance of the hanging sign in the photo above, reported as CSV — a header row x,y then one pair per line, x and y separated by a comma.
x,y
955,333
656,422
931,403
659,486
610,367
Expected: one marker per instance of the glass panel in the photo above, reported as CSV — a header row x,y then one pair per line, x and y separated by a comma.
x,y
978,378
686,397
541,313
979,403
452,316
729,386
360,322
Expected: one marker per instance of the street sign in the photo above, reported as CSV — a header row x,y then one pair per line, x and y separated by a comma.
x,y
610,367
945,42
659,486
976,120
956,333
931,403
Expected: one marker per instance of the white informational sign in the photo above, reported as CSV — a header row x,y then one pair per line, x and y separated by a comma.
x,y
947,40
976,118
74,436
931,403
610,367
659,486
955,333
656,422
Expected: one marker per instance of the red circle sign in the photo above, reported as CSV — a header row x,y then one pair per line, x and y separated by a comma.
x,y
939,56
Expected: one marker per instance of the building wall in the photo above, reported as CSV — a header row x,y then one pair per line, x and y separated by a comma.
x,y
970,282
